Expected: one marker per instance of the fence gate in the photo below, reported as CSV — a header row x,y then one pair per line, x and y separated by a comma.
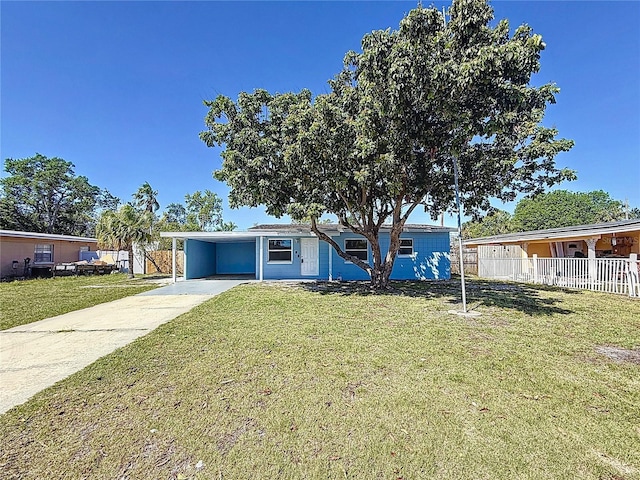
x,y
495,261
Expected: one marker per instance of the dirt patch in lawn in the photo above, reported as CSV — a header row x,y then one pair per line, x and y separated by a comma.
x,y
618,354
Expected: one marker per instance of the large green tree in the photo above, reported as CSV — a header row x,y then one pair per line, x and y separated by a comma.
x,y
122,229
202,212
44,195
204,209
384,140
496,222
561,208
175,213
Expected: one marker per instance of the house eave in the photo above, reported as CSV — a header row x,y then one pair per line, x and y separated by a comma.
x,y
289,231
46,236
567,233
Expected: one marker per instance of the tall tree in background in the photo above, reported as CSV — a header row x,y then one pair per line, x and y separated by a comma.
x,y
123,229
556,209
562,208
44,195
383,141
108,201
204,210
175,213
496,222
146,198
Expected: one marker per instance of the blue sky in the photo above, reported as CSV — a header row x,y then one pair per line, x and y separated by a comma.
x,y
117,87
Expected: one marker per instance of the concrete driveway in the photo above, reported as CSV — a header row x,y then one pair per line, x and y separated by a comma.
x,y
39,354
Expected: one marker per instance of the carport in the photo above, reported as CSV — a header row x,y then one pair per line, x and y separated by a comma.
x,y
209,254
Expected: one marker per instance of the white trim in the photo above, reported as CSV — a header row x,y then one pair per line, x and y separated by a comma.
x,y
46,236
261,258
366,260
279,262
406,255
230,235
173,258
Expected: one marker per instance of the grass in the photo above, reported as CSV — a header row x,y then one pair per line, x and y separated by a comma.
x,y
23,302
316,381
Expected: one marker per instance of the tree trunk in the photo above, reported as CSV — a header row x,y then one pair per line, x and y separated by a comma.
x,y
379,280
131,275
381,272
379,276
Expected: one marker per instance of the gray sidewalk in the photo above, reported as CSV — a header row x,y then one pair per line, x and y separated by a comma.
x,y
37,355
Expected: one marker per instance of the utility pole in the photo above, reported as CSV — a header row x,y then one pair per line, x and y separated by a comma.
x,y
464,293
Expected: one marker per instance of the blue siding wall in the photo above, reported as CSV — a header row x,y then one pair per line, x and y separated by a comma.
x,y
292,270
430,260
200,259
235,258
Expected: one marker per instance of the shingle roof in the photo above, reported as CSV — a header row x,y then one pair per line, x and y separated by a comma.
x,y
335,227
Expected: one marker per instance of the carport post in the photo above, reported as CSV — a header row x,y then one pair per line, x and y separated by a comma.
x,y
173,259
261,255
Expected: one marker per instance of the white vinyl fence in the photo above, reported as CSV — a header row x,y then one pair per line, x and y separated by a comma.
x,y
612,275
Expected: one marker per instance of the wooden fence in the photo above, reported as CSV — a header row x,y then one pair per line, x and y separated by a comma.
x,y
159,261
611,275
469,259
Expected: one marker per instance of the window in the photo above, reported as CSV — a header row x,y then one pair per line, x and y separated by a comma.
x,y
406,247
280,251
357,248
43,253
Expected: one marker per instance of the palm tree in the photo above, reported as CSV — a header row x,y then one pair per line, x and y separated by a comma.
x,y
122,229
146,198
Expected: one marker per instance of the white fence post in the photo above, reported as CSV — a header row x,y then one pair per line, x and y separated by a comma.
x,y
633,281
535,268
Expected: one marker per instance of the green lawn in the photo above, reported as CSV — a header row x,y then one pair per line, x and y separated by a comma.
x,y
283,381
27,301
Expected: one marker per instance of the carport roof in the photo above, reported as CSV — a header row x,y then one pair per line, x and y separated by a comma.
x,y
217,235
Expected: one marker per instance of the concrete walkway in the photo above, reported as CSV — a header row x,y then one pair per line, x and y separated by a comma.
x,y
37,355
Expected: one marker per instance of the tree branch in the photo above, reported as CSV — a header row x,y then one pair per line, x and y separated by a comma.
x,y
349,258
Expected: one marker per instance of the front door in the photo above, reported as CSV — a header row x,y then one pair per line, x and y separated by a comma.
x,y
308,256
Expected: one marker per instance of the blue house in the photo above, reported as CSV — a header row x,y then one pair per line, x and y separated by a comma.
x,y
290,252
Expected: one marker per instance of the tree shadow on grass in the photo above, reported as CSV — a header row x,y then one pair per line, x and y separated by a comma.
x,y
505,295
